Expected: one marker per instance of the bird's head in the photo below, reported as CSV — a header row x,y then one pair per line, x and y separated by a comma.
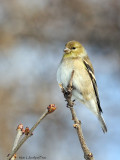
x,y
73,49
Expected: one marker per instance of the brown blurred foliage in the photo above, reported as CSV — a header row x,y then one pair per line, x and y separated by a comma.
x,y
93,21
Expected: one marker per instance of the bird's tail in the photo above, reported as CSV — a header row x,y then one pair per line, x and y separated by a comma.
x,y
103,125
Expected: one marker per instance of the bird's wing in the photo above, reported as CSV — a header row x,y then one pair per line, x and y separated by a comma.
x,y
90,71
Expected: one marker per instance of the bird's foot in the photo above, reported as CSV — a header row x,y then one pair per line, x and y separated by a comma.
x,y
70,104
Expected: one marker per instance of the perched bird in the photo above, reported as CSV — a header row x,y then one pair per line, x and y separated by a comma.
x,y
84,83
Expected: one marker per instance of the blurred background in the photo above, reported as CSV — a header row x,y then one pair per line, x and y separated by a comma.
x,y
32,38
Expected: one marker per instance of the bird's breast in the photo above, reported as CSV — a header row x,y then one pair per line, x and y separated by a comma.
x,y
64,72
81,79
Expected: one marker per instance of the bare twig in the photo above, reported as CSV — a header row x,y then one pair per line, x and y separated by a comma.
x,y
77,124
19,134
49,109
17,138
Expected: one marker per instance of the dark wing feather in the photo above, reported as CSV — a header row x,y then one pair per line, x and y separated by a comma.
x,y
90,70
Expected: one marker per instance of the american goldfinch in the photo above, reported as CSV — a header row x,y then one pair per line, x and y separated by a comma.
x,y
84,83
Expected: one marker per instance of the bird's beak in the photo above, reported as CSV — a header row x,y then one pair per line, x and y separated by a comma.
x,y
67,50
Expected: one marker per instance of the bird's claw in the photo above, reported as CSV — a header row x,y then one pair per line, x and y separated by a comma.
x,y
70,106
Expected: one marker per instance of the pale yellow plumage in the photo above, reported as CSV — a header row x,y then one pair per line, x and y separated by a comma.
x,y
84,83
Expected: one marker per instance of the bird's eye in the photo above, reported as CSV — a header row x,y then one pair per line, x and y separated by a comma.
x,y
73,48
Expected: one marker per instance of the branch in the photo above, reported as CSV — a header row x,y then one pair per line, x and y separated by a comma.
x,y
51,108
77,124
19,134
